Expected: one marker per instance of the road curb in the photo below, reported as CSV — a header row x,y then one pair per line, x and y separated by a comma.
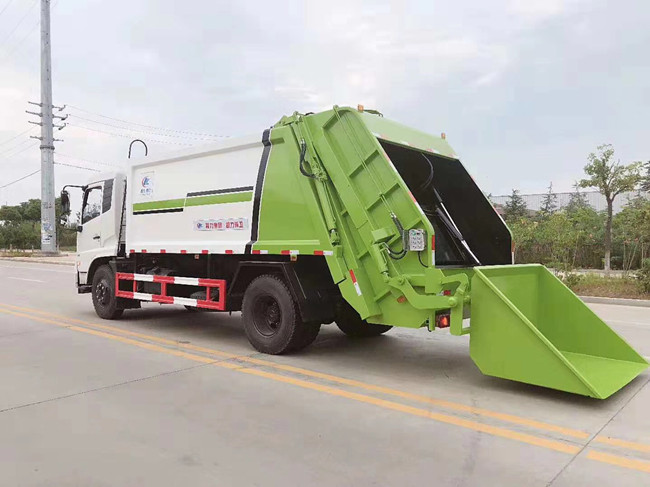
x,y
642,303
36,260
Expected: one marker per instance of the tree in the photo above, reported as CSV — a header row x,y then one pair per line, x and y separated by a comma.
x,y
611,178
549,203
577,201
631,230
515,208
645,183
10,214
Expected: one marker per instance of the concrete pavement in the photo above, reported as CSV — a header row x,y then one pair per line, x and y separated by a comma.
x,y
168,397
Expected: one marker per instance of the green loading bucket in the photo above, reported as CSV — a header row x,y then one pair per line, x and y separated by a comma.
x,y
526,325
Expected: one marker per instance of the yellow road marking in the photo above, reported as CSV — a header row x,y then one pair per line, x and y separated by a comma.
x,y
442,418
619,461
630,445
509,418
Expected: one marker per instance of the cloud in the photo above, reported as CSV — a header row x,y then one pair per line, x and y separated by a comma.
x,y
524,89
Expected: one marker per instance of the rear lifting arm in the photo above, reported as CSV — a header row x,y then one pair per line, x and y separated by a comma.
x,y
436,302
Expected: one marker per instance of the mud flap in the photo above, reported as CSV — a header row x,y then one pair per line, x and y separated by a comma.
x,y
526,325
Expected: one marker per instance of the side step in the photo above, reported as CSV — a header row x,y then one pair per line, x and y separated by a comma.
x,y
526,325
210,285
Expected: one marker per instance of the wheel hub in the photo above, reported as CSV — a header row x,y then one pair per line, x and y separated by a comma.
x,y
268,316
103,293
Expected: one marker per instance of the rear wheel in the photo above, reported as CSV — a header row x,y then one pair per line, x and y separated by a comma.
x,y
309,333
350,323
271,318
104,299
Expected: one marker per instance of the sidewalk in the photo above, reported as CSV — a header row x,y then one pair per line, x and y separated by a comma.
x,y
63,259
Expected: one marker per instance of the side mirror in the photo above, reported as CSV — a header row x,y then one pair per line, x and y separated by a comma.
x,y
80,228
65,202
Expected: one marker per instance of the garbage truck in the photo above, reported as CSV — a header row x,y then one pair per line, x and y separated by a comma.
x,y
342,217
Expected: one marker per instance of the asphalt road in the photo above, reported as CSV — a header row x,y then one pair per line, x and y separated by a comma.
x,y
165,397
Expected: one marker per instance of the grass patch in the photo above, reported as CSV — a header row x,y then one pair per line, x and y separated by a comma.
x,y
608,287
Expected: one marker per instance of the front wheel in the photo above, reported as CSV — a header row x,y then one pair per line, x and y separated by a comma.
x,y
350,323
104,299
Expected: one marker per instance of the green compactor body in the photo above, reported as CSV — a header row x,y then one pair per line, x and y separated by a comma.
x,y
412,241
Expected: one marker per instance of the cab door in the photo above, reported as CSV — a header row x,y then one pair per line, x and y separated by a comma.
x,y
89,238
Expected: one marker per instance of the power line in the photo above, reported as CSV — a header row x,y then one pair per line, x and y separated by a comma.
x,y
19,144
22,19
89,161
160,134
21,151
124,135
147,126
6,6
11,52
20,179
16,136
77,167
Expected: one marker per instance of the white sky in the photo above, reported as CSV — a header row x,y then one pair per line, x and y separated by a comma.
x,y
524,89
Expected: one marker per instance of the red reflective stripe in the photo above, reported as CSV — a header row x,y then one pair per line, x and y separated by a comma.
x,y
211,282
256,252
125,276
285,252
412,197
167,279
162,299
354,278
124,294
512,247
433,242
163,251
319,252
144,251
229,252
132,251
210,304
204,251
183,251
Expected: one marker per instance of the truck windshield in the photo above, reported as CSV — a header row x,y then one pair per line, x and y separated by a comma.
x,y
468,230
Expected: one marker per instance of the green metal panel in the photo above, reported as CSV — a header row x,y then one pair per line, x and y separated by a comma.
x,y
159,205
366,190
528,326
289,213
217,199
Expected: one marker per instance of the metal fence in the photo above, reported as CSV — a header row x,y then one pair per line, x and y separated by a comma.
x,y
594,199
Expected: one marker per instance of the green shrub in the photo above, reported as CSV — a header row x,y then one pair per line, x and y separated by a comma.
x,y
643,276
571,279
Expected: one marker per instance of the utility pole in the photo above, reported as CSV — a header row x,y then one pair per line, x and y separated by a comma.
x,y
48,216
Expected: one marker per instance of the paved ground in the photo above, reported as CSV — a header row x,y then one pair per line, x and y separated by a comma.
x,y
165,397
62,259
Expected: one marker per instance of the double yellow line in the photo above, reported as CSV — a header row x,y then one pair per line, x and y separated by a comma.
x,y
578,439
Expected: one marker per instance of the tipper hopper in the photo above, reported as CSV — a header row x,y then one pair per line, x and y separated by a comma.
x,y
528,326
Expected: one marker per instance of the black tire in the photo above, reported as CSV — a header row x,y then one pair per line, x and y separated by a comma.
x,y
104,299
350,323
309,333
271,318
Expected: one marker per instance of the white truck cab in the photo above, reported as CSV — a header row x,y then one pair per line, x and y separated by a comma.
x,y
100,230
